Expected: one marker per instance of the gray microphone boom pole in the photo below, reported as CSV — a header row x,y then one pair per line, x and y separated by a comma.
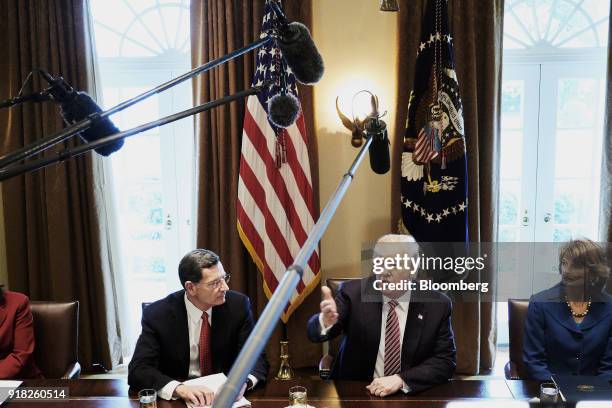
x,y
47,142
271,314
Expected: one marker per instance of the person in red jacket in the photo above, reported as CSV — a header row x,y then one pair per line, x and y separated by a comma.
x,y
16,337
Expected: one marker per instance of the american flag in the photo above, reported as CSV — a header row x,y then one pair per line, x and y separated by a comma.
x,y
424,149
275,196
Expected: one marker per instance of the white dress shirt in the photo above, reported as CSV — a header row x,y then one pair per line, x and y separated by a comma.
x,y
194,326
402,315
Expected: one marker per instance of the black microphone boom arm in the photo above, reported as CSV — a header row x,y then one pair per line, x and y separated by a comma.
x,y
78,150
47,142
271,314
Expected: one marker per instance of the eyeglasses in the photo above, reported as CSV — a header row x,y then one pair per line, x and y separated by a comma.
x,y
216,284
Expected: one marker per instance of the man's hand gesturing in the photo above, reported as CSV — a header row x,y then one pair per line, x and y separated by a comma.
x,y
329,312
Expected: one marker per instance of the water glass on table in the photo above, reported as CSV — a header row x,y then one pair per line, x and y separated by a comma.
x,y
298,397
147,398
549,392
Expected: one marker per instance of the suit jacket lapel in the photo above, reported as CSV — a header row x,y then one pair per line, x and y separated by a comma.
x,y
412,332
372,316
182,334
217,330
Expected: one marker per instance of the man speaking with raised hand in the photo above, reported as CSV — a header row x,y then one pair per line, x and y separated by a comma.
x,y
397,343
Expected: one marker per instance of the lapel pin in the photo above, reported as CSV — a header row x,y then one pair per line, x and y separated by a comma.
x,y
420,316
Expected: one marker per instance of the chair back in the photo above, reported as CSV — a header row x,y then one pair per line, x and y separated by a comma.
x,y
56,336
517,313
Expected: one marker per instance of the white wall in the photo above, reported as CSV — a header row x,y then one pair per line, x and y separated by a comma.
x,y
359,46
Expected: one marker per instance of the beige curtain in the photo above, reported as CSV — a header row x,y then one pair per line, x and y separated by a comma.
x,y
217,28
476,27
55,249
606,170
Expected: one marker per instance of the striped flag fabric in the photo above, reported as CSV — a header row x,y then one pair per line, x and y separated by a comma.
x,y
275,194
424,150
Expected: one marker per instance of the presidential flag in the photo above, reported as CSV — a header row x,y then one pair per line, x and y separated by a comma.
x,y
434,167
275,195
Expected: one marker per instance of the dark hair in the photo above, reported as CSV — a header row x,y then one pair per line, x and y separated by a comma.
x,y
2,294
190,267
587,254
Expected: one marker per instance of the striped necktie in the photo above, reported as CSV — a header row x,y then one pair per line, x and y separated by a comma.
x,y
205,357
393,358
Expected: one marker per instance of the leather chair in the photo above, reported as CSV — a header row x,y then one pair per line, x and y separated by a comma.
x,y
327,361
517,312
56,336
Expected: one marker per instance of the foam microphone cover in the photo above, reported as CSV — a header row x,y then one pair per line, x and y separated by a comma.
x,y
300,53
283,109
380,160
78,108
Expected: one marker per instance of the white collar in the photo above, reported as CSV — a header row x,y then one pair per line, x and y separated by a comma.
x,y
402,305
193,312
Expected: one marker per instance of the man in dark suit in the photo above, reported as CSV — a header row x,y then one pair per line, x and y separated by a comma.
x,y
398,340
194,332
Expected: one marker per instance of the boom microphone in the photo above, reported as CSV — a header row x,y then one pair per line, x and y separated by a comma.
x,y
76,106
300,53
34,97
380,161
298,49
283,109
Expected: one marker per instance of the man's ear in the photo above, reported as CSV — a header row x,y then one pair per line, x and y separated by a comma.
x,y
189,287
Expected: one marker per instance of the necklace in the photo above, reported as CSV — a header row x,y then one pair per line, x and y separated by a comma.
x,y
575,314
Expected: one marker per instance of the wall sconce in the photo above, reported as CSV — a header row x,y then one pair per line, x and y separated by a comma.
x,y
366,110
389,5
366,125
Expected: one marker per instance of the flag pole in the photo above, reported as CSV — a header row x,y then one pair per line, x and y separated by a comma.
x,y
284,291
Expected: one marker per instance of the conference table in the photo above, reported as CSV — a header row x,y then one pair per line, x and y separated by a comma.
x,y
321,394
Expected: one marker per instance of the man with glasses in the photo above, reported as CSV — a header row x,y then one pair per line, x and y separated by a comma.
x,y
194,332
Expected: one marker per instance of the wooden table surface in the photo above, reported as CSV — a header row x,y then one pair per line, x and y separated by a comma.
x,y
321,394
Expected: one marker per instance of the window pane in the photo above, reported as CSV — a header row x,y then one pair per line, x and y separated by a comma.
x,y
512,104
141,28
576,104
145,43
511,154
509,202
546,24
577,154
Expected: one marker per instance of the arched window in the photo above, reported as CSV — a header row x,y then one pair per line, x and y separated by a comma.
x,y
555,24
141,44
553,101
141,29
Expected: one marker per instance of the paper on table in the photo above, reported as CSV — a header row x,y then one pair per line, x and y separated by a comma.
x,y
214,382
5,387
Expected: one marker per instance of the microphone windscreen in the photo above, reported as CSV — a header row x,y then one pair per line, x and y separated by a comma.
x,y
300,53
81,106
380,161
283,110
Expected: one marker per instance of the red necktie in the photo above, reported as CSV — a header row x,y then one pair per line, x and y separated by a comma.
x,y
393,358
205,358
